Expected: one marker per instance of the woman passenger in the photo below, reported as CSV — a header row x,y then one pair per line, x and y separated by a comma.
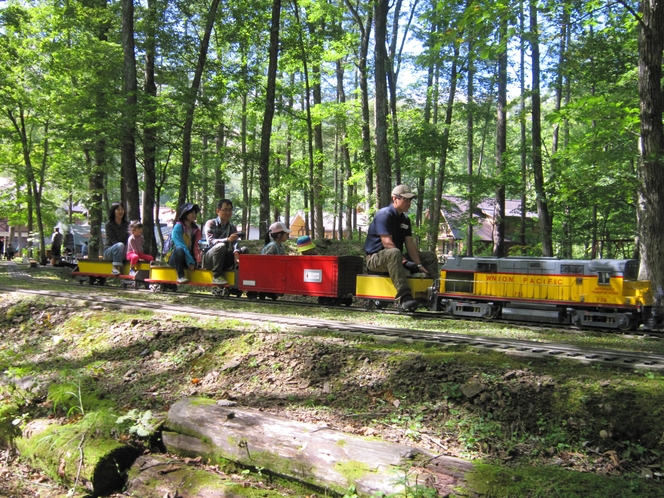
x,y
185,236
117,233
279,234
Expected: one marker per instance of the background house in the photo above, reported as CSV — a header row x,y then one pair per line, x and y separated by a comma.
x,y
454,222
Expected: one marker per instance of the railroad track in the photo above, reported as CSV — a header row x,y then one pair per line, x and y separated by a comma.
x,y
508,346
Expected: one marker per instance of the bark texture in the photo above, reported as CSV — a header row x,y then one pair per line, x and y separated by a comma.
x,y
307,452
651,171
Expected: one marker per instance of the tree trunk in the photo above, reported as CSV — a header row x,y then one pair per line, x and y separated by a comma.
x,y
501,143
383,172
318,200
424,158
469,145
128,147
19,126
246,198
523,146
344,157
651,171
542,204
266,131
440,179
365,40
150,129
190,104
220,147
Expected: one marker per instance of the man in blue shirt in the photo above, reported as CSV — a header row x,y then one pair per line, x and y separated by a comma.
x,y
389,231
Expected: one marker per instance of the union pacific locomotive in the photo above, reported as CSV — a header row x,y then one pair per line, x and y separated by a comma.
x,y
590,294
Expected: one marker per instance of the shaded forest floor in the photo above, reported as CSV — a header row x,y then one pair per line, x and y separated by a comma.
x,y
534,427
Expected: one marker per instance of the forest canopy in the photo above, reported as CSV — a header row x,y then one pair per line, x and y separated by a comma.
x,y
322,107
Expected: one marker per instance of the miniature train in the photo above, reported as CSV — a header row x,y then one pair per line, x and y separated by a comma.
x,y
602,294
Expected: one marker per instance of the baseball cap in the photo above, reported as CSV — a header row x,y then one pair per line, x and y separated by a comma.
x,y
304,243
278,226
403,191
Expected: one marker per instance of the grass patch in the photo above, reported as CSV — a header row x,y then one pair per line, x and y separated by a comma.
x,y
553,482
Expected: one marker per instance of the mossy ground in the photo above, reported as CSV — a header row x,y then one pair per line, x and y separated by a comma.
x,y
535,424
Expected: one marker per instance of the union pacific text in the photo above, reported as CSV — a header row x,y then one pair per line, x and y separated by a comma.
x,y
525,279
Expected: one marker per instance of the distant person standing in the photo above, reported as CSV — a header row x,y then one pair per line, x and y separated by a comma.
x,y
69,243
56,246
117,233
2,247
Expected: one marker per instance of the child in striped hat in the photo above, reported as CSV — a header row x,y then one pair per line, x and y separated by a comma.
x,y
306,246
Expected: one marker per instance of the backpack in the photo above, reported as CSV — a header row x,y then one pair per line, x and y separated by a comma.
x,y
168,247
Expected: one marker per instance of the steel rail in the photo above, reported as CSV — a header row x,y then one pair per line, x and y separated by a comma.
x,y
508,346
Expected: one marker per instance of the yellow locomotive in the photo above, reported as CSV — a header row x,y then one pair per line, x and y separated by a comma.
x,y
594,293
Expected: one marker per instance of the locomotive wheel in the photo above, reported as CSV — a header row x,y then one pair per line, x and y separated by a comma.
x,y
381,305
237,293
346,301
156,288
91,280
101,280
172,287
627,325
369,304
252,295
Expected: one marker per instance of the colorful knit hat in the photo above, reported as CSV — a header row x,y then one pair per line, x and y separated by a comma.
x,y
304,243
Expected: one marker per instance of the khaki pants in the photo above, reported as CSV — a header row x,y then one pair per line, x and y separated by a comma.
x,y
218,258
389,260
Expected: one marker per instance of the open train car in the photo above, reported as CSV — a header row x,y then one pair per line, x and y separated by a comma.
x,y
329,278
97,271
378,291
593,293
164,277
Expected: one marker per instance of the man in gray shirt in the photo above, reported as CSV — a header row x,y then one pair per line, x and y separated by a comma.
x,y
222,238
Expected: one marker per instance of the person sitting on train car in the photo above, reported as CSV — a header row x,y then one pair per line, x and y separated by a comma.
x,y
117,233
279,234
222,240
186,252
56,246
84,250
389,231
305,246
135,247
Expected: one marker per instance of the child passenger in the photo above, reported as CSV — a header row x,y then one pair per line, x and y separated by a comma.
x,y
279,234
305,246
135,247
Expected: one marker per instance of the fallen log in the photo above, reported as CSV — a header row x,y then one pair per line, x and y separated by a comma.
x,y
157,476
75,455
310,453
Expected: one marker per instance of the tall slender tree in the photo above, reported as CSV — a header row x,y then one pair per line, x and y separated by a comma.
x,y
542,204
266,131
